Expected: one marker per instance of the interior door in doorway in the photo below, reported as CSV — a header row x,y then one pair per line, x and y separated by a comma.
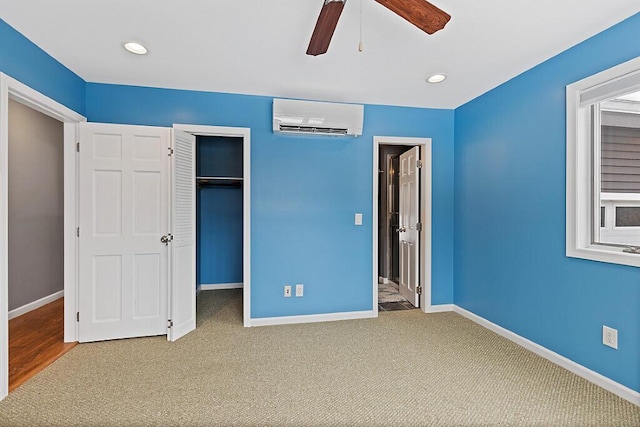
x,y
123,213
409,219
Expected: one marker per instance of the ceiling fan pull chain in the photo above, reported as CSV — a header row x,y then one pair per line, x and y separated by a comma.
x,y
360,44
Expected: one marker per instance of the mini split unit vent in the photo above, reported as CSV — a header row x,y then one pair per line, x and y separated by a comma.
x,y
317,118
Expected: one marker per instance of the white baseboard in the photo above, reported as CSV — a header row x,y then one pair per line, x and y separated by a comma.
x,y
312,318
218,286
589,375
34,305
440,308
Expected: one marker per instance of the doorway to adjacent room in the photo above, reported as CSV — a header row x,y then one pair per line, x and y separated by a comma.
x,y
402,223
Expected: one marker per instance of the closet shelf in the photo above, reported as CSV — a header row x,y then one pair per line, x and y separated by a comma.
x,y
205,181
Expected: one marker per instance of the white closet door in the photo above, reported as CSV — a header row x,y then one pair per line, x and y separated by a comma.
x,y
182,247
124,207
409,235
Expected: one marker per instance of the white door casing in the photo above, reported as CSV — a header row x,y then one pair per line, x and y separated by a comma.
x,y
124,206
425,145
409,217
11,88
182,248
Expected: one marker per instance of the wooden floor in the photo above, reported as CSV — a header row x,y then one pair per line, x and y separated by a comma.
x,y
36,339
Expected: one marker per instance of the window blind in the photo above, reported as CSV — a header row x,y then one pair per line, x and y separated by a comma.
x,y
620,162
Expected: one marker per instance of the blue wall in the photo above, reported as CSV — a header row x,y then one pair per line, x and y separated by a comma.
x,y
304,193
510,258
26,62
304,190
219,235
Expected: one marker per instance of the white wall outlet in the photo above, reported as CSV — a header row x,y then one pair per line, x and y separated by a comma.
x,y
287,291
358,219
299,290
610,337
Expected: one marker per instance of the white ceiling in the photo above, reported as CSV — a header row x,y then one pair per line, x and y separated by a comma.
x,y
258,46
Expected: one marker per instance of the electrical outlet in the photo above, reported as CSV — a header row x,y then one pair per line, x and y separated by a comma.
x,y
299,290
287,291
610,337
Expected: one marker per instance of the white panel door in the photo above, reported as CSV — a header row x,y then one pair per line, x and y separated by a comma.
x,y
409,216
123,213
182,248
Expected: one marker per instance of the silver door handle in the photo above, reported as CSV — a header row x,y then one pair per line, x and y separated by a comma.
x,y
402,229
166,239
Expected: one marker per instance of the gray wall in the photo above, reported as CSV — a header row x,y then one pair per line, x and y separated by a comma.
x,y
36,211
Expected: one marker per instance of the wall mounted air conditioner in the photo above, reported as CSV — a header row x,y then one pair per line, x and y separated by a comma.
x,y
317,118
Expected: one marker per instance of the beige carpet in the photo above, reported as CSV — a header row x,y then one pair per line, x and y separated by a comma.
x,y
404,368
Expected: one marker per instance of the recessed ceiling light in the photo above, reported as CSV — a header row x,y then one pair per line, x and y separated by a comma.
x,y
136,48
436,78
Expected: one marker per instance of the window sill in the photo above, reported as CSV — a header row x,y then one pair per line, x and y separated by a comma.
x,y
602,253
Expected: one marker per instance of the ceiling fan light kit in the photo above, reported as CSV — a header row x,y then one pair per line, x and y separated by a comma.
x,y
420,13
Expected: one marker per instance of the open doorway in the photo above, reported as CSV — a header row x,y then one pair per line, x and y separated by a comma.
x,y
11,89
219,188
389,296
401,223
222,160
35,242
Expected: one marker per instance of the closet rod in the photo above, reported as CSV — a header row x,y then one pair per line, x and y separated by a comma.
x,y
218,181
222,178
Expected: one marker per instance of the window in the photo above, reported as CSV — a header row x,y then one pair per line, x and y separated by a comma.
x,y
618,136
603,166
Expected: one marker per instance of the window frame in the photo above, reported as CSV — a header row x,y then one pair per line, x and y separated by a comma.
x,y
581,216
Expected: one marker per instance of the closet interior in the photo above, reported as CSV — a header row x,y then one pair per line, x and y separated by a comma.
x,y
219,190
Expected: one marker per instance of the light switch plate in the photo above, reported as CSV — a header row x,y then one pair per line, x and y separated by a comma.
x,y
358,219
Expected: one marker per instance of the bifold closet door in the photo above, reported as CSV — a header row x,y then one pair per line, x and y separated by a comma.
x,y
183,245
124,212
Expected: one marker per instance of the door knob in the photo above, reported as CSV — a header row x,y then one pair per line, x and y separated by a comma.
x,y
165,240
402,229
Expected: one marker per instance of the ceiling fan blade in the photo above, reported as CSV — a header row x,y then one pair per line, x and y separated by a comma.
x,y
326,25
420,13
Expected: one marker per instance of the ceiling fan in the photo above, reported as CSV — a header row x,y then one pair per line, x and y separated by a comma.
x,y
420,13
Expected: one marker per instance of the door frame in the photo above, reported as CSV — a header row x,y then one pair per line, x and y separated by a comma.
x,y
425,214
11,88
245,134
